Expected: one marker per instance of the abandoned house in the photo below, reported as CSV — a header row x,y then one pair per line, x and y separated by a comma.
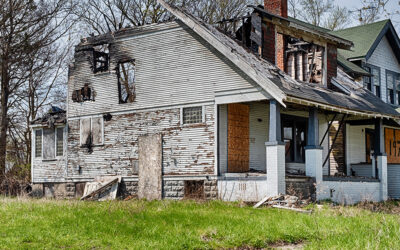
x,y
247,108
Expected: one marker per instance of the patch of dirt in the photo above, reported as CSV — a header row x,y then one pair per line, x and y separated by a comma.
x,y
279,246
389,207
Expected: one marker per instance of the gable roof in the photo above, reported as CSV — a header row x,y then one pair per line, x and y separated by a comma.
x,y
280,85
367,37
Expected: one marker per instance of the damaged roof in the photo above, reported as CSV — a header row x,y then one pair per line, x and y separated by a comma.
x,y
55,116
359,99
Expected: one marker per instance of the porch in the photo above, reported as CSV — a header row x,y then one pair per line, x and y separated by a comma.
x,y
264,148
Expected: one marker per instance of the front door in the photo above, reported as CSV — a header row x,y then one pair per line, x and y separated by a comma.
x,y
238,138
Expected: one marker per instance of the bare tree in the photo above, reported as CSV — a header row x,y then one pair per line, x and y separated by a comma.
x,y
26,27
338,18
371,11
102,16
322,13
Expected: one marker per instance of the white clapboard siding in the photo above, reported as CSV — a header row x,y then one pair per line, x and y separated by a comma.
x,y
173,67
394,181
384,58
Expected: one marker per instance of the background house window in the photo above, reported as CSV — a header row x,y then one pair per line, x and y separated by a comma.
x,y
192,115
376,79
91,130
397,86
60,141
126,81
390,83
38,143
367,79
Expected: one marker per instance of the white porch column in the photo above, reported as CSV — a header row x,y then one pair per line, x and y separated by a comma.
x,y
314,150
275,152
381,158
382,169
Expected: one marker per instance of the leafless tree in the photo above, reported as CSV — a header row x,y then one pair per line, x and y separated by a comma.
x,y
371,11
322,13
26,28
102,16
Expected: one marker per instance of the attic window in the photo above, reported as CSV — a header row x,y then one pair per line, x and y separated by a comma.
x,y
84,94
126,81
100,58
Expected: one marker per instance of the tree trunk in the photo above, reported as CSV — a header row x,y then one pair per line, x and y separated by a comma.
x,y
5,79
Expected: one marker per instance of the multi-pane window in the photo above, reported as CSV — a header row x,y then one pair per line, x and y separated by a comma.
x,y
368,79
60,141
390,82
376,79
192,115
38,143
49,143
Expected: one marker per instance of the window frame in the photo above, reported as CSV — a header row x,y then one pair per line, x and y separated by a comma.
x,y
374,85
120,85
395,89
34,143
81,144
56,139
203,115
56,157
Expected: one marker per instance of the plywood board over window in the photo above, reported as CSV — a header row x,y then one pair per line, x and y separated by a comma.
x,y
238,138
392,145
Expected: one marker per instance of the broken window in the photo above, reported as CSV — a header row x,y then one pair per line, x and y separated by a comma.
x,y
91,131
126,81
100,58
38,143
192,115
60,141
84,94
194,190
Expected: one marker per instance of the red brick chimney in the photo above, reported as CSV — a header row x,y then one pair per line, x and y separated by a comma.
x,y
274,47
277,7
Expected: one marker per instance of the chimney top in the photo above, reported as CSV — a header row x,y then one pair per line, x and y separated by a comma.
x,y
277,7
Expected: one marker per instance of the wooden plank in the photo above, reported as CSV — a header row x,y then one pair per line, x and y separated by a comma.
x,y
256,22
97,130
85,130
150,168
256,38
392,145
238,138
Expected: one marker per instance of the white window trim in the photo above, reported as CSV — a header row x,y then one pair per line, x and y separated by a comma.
x,y
34,144
55,146
203,115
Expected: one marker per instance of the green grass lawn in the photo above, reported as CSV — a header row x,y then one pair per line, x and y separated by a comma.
x,y
27,224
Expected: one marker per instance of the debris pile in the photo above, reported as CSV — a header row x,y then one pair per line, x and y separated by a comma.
x,y
284,202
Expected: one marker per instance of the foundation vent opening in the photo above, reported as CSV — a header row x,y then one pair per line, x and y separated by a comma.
x,y
194,190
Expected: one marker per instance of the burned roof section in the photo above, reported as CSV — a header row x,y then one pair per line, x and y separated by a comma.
x,y
55,116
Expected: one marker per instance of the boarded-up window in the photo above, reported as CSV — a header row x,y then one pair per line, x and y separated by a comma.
x,y
126,81
49,142
92,131
392,145
192,115
85,131
60,141
38,143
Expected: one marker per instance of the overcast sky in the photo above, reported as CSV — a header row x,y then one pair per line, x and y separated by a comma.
x,y
393,5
